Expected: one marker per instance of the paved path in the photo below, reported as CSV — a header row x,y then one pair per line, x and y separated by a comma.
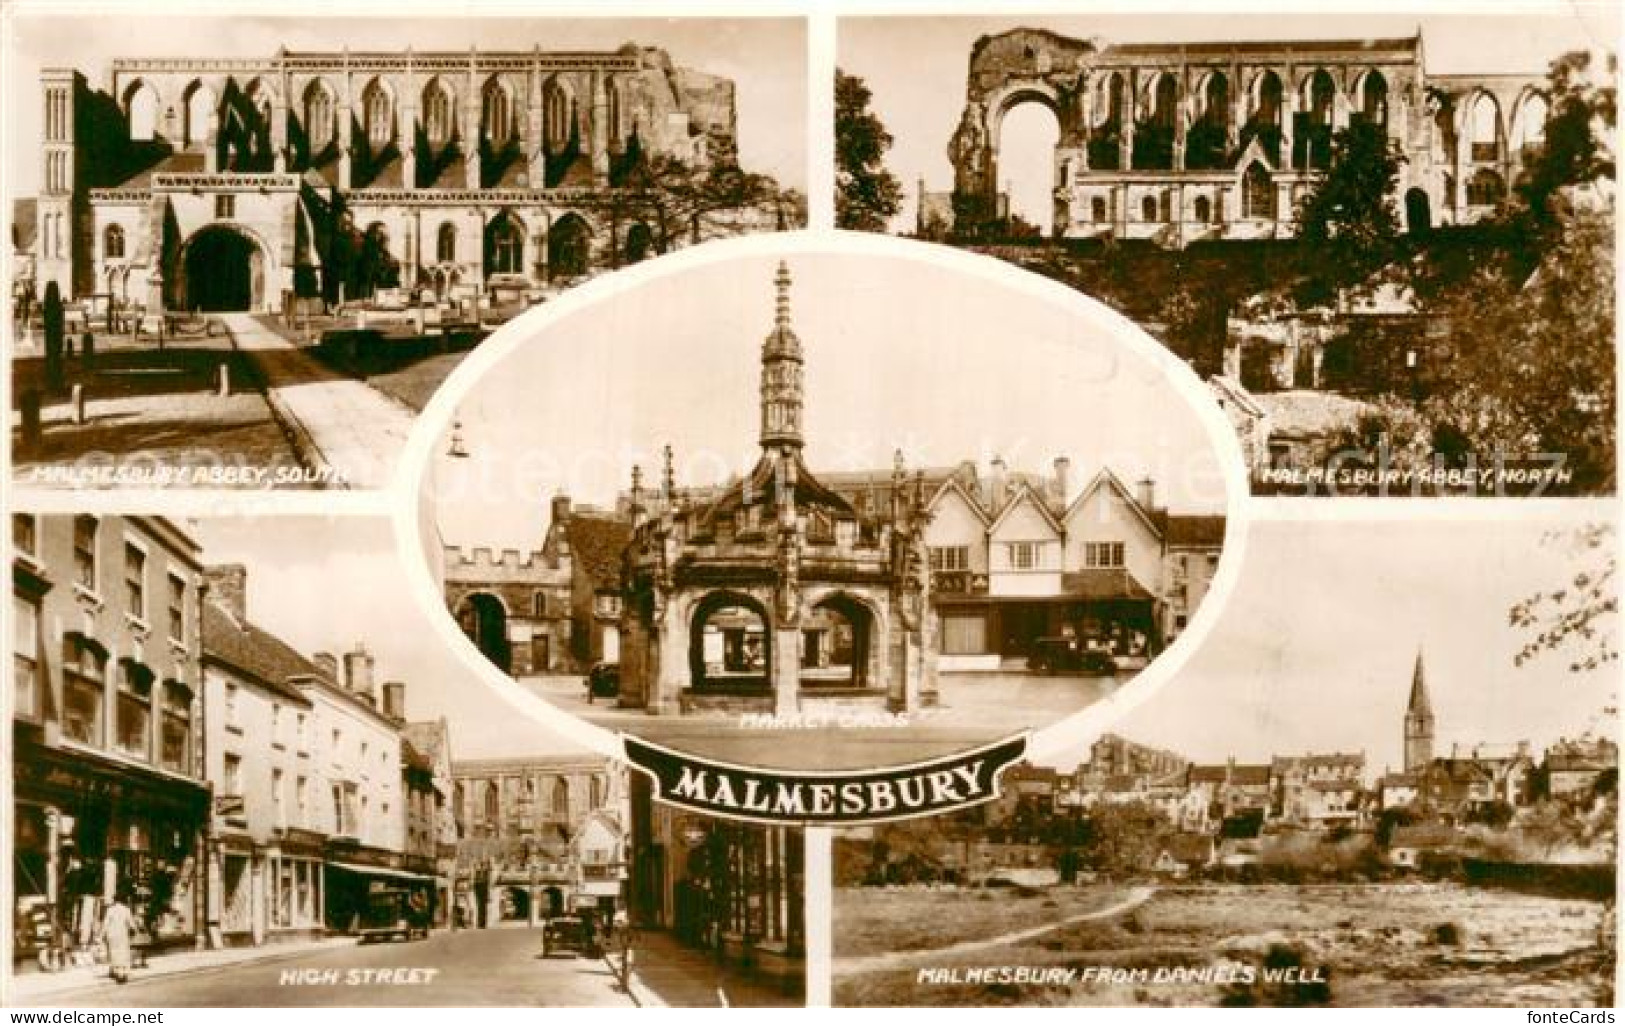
x,y
897,959
338,423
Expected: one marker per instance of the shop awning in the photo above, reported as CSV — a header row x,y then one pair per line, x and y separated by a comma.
x,y
397,874
1103,585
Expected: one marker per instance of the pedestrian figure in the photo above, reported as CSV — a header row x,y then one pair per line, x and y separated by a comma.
x,y
118,928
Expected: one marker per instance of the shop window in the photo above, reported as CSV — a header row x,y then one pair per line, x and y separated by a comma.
x,y
964,634
84,552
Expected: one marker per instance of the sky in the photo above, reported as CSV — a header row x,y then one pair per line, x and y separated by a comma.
x,y
1314,649
322,584
766,58
899,353
920,99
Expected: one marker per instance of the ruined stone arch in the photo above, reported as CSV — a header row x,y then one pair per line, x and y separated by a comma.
x,y
1369,95
1530,112
141,110
1265,94
198,104
1012,95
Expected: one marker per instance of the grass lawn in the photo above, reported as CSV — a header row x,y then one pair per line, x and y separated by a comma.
x,y
878,920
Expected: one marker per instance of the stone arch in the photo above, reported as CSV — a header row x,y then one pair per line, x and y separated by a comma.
x,y
863,652
141,110
505,244
1264,95
1482,126
483,617
1202,210
319,117
1013,95
558,115
499,113
1418,211
1371,95
221,266
639,242
1317,95
1257,193
1529,116
198,102
1208,139
445,243
569,246
743,659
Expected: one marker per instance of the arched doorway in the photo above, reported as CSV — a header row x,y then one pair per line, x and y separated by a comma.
x,y
504,246
639,242
569,247
552,902
1418,211
1025,158
223,270
837,638
485,620
729,645
515,907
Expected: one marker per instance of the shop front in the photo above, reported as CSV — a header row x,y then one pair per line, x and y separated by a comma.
x,y
89,827
354,874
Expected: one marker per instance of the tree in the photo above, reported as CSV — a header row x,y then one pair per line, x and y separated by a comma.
x,y
676,198
1348,222
1581,114
1578,616
54,323
866,194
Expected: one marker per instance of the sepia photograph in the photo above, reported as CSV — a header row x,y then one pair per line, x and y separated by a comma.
x,y
1391,780
1385,241
831,510
227,793
247,249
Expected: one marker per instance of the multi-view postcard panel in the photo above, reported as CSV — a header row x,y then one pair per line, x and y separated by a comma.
x,y
246,255
713,589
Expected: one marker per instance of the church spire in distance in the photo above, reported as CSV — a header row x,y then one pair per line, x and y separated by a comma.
x,y
781,374
1418,721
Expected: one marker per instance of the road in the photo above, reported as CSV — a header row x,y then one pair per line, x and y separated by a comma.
x,y
470,968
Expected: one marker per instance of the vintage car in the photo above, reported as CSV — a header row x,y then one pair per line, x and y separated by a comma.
x,y
1067,655
570,934
395,912
603,680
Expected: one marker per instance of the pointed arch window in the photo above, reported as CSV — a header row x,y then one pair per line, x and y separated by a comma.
x,y
557,111
113,242
439,118
319,120
500,127
445,243
378,115
1257,193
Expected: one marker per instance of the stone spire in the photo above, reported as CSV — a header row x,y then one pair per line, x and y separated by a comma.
x,y
781,375
1418,721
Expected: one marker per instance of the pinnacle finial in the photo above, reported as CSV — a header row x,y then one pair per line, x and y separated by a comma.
x,y
781,281
668,480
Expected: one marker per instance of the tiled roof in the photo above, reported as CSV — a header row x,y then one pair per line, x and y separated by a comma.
x,y
596,544
1184,529
174,163
255,652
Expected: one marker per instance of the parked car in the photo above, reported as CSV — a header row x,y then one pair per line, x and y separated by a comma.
x,y
395,912
1067,655
603,681
572,934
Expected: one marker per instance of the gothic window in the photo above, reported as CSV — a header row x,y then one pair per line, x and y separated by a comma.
x,y
1531,127
113,242
1318,94
507,248
556,115
143,113
439,121
1374,99
1097,209
561,798
1203,209
1257,193
1267,100
319,120
1484,128
199,111
378,115
493,803
445,248
500,128
1148,208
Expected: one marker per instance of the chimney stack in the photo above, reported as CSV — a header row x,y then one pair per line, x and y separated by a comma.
x,y
228,585
358,674
1145,493
395,701
1001,482
1063,474
560,509
328,663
